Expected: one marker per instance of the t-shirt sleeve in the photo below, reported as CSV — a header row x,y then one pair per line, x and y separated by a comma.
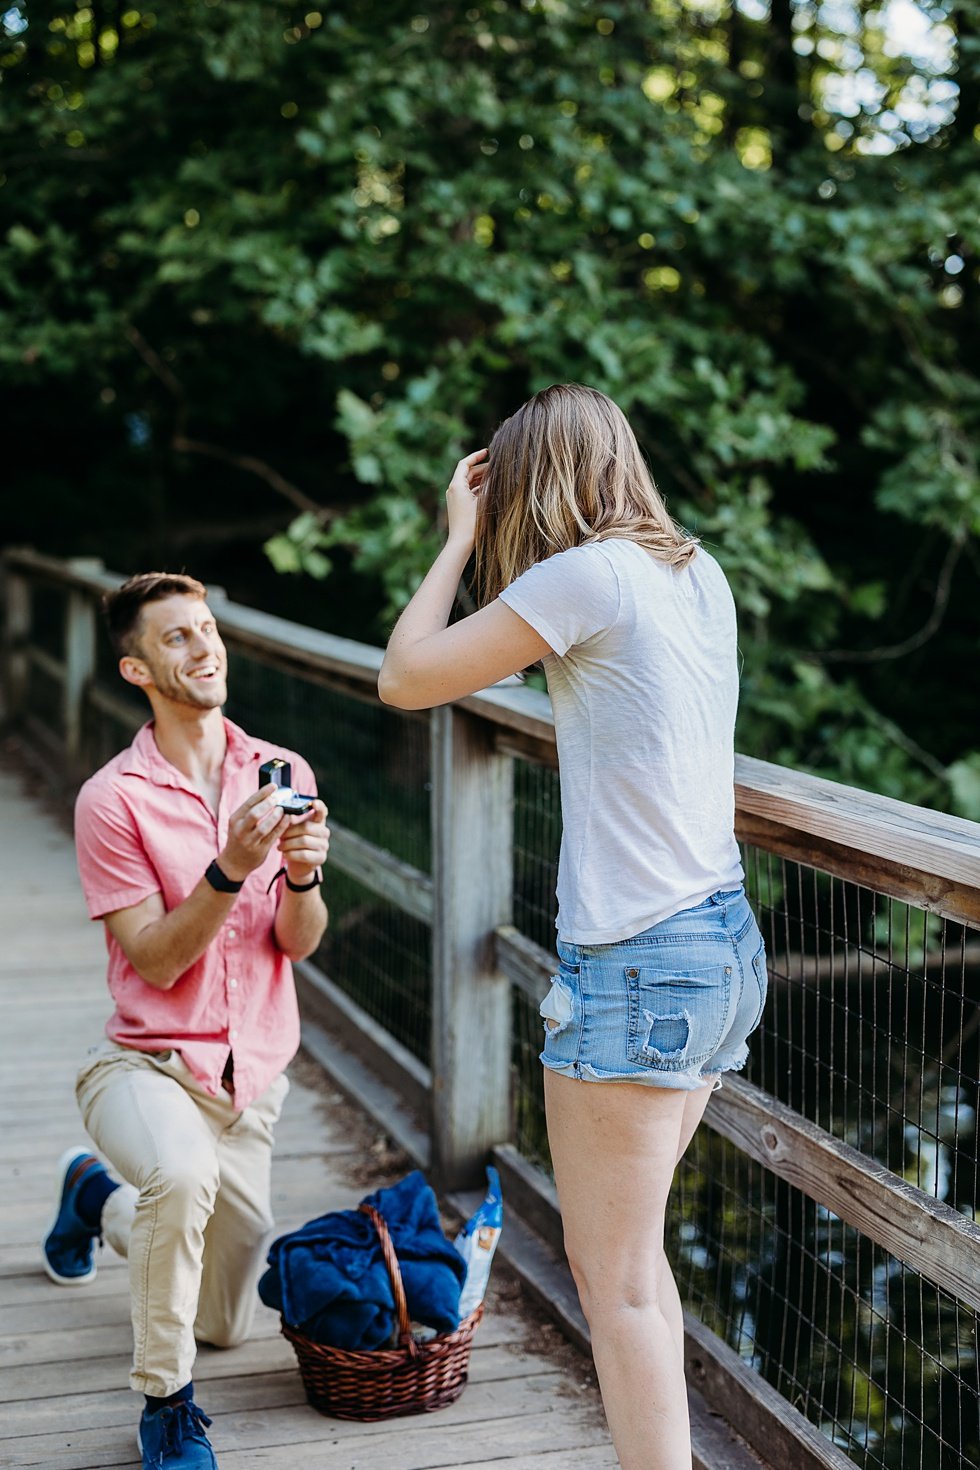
x,y
568,598
115,870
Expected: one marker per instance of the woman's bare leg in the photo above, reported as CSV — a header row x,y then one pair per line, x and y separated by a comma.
x,y
694,1107
614,1147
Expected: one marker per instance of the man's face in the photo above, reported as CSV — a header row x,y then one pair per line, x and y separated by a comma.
x,y
178,644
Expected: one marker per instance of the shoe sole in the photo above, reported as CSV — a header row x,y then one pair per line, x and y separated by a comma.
x,y
63,1162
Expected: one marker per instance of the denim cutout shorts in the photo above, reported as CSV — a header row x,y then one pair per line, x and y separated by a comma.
x,y
671,1007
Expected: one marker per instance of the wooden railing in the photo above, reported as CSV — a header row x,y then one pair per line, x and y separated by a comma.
x,y
454,1114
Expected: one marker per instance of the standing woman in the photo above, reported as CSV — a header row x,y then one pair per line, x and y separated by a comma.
x,y
661,972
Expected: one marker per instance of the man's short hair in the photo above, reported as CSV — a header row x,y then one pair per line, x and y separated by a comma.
x,y
123,607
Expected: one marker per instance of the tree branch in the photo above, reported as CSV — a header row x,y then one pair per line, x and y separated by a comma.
x,y
253,466
247,462
929,628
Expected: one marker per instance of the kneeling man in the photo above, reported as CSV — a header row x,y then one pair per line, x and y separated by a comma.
x,y
207,889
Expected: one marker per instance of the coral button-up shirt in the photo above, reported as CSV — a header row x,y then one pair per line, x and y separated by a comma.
x,y
141,828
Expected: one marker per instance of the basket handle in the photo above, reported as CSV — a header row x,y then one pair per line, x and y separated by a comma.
x,y
394,1272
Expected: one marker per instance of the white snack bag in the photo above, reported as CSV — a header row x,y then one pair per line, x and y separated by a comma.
x,y
476,1243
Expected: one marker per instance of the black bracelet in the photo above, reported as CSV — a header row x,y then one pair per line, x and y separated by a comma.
x,y
314,882
220,881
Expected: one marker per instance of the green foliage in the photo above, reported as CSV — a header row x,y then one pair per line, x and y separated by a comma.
x,y
338,246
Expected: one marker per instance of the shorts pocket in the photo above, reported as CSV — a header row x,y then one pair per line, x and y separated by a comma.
x,y
561,1012
676,1017
557,1008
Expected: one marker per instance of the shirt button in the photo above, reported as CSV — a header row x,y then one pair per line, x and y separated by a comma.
x,y
232,984
232,1035
232,933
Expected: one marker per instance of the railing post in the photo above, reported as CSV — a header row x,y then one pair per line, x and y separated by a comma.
x,y
472,821
16,638
80,653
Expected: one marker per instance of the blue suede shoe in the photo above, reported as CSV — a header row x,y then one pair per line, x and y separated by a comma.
x,y
174,1436
69,1257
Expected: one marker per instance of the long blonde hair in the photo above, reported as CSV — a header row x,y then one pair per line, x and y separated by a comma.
x,y
563,471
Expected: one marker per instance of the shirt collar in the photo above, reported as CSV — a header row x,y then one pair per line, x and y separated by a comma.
x,y
143,757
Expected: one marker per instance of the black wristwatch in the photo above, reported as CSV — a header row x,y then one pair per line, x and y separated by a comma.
x,y
220,881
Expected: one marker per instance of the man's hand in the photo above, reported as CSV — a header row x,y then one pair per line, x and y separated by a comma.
x,y
252,833
305,843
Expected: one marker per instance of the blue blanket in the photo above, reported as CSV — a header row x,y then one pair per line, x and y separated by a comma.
x,y
329,1279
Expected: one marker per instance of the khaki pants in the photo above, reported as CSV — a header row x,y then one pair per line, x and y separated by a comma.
x,y
195,1214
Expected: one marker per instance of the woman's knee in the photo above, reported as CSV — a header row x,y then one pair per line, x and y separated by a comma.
x,y
608,1289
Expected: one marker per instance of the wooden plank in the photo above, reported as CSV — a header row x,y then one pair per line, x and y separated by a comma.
x,y
463,1434
472,844
925,858
515,708
524,963
713,1445
923,1232
535,749
398,882
128,715
18,608
531,1195
80,651
46,663
378,1100
549,1459
770,1425
114,1406
30,1381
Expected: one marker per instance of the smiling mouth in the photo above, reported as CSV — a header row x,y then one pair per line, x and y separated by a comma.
x,y
208,673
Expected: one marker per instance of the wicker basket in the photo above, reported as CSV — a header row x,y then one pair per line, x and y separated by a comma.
x,y
413,1378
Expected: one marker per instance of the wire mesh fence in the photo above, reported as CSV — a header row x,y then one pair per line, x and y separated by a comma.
x,y
381,957
527,1082
372,769
44,691
371,762
872,1029
537,836
882,1361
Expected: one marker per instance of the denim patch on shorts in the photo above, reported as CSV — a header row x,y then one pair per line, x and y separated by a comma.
x,y
671,1007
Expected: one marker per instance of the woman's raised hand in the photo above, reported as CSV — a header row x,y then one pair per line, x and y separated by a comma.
x,y
461,497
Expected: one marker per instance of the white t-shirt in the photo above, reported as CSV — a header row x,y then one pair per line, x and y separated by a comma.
x,y
644,686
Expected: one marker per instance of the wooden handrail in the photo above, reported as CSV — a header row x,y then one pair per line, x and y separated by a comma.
x,y
921,857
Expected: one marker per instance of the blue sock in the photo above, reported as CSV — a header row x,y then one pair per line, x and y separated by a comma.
x,y
92,1195
153,1406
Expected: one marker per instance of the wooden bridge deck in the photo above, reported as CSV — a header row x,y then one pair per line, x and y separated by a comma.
x,y
531,1403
